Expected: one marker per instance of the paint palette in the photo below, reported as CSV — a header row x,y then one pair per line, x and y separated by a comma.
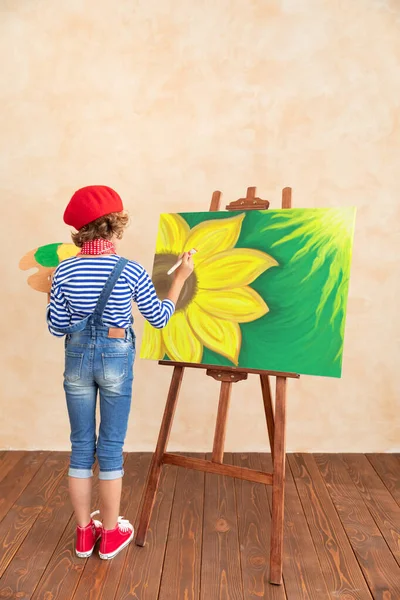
x,y
45,259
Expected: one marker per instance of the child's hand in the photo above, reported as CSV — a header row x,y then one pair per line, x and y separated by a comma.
x,y
186,268
50,278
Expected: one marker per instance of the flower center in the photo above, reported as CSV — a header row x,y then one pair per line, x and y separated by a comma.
x,y
162,281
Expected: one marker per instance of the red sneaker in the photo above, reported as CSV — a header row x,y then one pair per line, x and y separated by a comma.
x,y
86,537
114,540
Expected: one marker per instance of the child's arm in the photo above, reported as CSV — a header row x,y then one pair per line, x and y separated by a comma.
x,y
57,309
181,274
158,312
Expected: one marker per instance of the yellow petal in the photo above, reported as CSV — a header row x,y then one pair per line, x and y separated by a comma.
x,y
180,341
233,268
152,344
214,236
224,337
172,233
240,305
66,251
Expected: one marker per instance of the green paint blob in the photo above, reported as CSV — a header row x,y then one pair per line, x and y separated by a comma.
x,y
47,255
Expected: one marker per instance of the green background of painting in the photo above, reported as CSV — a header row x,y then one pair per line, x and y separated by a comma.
x,y
289,337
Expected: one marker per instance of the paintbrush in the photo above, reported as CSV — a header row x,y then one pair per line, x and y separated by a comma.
x,y
179,262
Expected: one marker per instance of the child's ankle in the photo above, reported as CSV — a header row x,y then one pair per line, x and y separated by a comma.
x,y
105,528
84,526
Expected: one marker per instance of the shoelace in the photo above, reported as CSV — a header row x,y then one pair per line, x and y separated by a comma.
x,y
95,523
123,525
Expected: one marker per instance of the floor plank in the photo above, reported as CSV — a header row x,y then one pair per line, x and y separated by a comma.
x,y
302,572
341,570
100,578
14,483
27,566
20,518
221,568
143,565
377,498
388,468
378,564
181,572
254,520
8,460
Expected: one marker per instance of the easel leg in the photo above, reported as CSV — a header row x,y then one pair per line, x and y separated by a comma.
x,y
278,485
220,428
269,413
156,463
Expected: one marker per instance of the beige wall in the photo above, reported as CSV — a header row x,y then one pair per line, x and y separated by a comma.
x,y
166,101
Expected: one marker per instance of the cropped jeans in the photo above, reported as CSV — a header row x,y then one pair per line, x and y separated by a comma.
x,y
96,364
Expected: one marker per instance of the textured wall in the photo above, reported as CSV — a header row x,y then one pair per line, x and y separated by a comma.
x,y
166,101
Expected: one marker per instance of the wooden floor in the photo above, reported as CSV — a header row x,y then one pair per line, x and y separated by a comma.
x,y
209,535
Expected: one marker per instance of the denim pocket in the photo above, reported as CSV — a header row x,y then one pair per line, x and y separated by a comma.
x,y
73,365
115,366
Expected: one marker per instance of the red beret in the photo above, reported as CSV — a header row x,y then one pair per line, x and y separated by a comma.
x,y
90,203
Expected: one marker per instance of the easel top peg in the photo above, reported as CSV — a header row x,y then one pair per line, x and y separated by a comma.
x,y
250,202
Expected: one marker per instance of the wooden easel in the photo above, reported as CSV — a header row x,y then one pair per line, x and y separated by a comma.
x,y
276,424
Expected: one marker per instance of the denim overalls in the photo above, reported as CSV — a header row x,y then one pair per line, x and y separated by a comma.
x,y
95,362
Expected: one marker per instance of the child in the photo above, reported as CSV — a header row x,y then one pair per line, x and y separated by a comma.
x,y
91,304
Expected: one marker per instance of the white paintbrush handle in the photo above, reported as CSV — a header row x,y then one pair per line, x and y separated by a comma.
x,y
178,264
174,268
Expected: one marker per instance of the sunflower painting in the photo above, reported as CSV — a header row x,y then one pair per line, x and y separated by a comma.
x,y
269,289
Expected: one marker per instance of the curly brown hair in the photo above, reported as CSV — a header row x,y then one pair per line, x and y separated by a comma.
x,y
106,227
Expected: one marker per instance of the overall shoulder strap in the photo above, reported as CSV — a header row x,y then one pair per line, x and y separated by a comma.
x,y
108,288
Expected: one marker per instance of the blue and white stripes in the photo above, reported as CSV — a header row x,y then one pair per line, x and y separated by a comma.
x,y
77,284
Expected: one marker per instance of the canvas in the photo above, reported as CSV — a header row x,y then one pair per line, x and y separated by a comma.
x,y
269,289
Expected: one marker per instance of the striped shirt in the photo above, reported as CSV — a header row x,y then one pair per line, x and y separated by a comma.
x,y
77,284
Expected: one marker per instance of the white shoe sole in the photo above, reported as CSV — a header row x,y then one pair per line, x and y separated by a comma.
x,y
84,554
112,554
